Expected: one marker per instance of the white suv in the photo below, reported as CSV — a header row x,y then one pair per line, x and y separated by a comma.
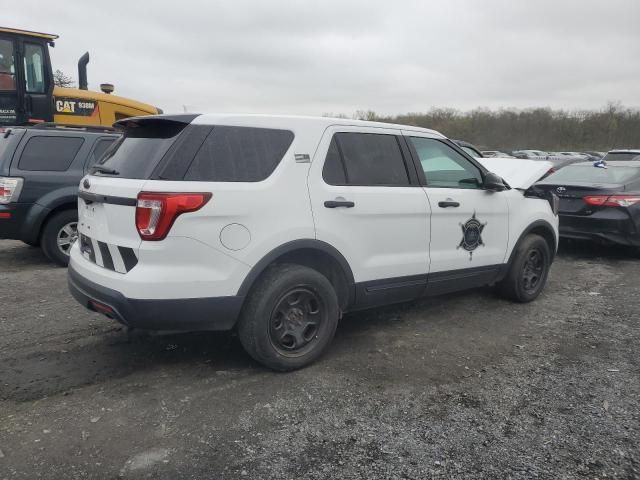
x,y
278,225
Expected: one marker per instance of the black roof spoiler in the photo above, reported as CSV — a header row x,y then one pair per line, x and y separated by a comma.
x,y
185,118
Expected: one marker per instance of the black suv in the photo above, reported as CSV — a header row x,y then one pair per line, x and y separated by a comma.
x,y
40,168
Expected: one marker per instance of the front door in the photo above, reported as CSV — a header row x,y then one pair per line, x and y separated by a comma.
x,y
38,83
367,205
470,225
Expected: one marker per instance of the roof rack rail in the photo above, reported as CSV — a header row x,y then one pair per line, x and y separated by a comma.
x,y
66,126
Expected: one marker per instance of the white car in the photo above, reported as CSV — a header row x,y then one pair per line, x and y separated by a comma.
x,y
278,225
495,154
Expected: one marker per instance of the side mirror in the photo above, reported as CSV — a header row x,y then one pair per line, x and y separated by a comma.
x,y
493,182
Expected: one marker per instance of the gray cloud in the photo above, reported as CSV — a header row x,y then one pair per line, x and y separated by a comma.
x,y
339,56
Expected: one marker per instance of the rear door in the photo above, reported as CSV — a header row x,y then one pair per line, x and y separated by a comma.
x,y
51,166
366,203
470,225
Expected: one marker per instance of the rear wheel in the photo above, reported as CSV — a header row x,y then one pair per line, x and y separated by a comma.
x,y
529,270
289,318
58,236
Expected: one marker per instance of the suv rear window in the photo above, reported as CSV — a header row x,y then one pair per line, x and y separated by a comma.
x,y
49,154
622,156
99,149
239,154
590,174
138,152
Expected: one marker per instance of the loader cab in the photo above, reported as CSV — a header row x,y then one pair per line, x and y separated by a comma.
x,y
26,77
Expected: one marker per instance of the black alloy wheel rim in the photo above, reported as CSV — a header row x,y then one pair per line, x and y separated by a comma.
x,y
296,320
533,271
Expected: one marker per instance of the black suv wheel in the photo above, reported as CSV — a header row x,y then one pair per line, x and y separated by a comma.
x,y
289,318
528,271
58,236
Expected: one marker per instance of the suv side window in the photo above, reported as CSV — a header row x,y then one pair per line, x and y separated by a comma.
x,y
49,154
239,154
443,167
366,159
99,148
333,171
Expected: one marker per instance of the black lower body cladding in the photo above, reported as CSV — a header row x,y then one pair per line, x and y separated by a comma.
x,y
15,221
189,314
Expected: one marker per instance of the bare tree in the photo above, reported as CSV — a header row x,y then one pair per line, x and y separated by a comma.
x,y
61,79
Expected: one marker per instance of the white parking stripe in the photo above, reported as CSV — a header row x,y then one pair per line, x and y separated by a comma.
x,y
117,259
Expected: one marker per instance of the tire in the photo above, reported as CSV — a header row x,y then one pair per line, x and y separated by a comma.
x,y
63,226
289,317
528,271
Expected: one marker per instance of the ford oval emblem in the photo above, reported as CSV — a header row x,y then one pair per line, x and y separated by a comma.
x,y
561,189
86,183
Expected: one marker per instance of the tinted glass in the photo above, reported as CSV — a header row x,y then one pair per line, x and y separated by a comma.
x,y
138,152
98,150
472,152
333,170
239,154
34,68
372,159
7,66
444,167
52,154
591,174
622,156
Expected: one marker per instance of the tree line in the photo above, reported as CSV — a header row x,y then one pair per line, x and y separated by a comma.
x,y
614,126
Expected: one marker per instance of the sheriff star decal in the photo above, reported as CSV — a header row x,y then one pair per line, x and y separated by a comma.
x,y
472,235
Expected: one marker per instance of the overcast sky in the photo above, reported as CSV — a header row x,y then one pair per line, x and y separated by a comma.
x,y
339,56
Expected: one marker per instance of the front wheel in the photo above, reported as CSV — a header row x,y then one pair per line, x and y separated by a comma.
x,y
528,271
289,318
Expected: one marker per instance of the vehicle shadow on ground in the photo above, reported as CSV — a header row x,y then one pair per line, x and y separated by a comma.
x,y
584,250
115,354
19,256
381,338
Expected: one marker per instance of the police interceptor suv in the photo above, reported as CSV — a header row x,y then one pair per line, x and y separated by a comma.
x,y
276,226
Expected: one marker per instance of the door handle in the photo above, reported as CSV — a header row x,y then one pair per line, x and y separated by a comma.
x,y
339,203
448,203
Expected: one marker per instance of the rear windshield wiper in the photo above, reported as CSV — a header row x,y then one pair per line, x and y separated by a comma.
x,y
110,171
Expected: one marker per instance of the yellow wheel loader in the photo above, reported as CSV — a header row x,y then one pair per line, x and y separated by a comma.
x,y
28,95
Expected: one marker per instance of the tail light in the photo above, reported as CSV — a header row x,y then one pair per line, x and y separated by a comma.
x,y
156,212
612,200
10,188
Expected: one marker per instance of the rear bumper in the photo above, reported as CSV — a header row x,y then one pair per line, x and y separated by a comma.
x,y
611,226
13,219
188,314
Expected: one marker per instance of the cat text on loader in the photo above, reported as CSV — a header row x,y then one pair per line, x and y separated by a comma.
x,y
28,95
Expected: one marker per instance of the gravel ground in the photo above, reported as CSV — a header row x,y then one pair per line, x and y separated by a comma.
x,y
461,386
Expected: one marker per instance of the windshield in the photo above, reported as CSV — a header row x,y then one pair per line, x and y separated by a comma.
x,y
591,174
622,156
